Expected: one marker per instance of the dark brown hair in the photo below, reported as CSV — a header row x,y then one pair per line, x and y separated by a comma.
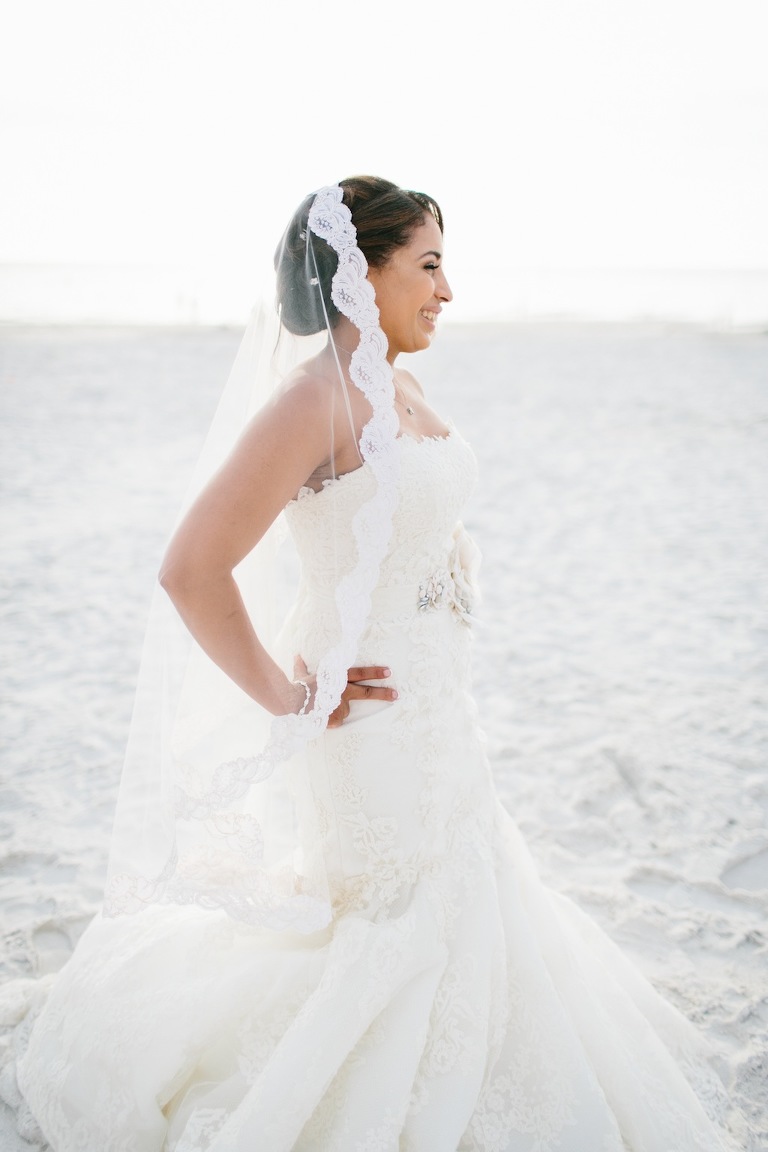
x,y
385,218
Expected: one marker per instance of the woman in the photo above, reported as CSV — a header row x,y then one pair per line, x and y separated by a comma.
x,y
372,962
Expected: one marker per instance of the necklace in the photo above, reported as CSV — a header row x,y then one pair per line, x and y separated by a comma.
x,y
407,407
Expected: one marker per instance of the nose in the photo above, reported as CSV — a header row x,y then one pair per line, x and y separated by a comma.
x,y
443,288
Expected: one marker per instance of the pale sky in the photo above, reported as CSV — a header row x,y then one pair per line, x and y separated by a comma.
x,y
554,133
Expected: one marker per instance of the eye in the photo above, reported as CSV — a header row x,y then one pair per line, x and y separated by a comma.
x,y
432,267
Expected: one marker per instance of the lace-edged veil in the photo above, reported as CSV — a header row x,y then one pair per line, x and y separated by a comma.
x,y
212,806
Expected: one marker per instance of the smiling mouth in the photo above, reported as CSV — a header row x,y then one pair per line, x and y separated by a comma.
x,y
431,316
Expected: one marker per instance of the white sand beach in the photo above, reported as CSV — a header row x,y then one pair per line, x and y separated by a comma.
x,y
621,655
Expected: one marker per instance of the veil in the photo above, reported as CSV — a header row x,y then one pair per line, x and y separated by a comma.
x,y
213,805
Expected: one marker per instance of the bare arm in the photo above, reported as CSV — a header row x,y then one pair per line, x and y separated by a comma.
x,y
282,446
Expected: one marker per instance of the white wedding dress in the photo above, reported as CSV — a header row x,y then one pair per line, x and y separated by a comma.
x,y
453,1003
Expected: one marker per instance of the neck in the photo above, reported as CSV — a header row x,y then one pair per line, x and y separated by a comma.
x,y
346,337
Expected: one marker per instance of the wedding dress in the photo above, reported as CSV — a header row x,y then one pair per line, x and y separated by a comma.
x,y
453,1003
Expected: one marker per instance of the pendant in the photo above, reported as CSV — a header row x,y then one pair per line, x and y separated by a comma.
x,y
409,410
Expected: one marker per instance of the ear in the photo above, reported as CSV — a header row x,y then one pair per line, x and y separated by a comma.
x,y
374,278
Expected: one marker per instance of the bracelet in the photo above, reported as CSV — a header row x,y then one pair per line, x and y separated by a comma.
x,y
306,688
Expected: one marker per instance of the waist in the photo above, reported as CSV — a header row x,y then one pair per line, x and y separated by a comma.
x,y
438,591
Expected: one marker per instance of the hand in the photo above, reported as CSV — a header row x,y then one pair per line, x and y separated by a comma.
x,y
355,689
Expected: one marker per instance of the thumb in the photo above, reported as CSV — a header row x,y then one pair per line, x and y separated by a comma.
x,y
300,669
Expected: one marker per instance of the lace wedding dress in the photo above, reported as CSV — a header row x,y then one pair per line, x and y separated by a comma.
x,y
454,1002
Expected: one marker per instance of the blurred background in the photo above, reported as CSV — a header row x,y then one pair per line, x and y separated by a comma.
x,y
603,160
596,160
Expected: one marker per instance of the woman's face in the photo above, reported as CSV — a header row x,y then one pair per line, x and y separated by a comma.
x,y
411,289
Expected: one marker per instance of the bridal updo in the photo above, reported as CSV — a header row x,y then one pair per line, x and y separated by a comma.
x,y
385,218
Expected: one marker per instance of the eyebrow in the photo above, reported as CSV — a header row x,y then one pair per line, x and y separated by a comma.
x,y
432,252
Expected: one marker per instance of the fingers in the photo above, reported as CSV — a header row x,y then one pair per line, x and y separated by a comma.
x,y
369,692
355,690
375,673
358,691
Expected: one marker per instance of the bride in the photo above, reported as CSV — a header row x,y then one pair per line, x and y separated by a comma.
x,y
323,932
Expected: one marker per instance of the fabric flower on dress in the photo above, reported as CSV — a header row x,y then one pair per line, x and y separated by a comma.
x,y
464,565
455,586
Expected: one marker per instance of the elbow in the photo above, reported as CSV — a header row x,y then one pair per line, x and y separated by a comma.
x,y
168,578
175,575
186,578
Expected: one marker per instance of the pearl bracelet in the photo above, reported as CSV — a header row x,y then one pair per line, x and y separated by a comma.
x,y
308,691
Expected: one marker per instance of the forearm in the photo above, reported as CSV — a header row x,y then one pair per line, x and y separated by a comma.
x,y
213,610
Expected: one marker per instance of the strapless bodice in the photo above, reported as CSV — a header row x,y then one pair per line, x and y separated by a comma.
x,y
437,475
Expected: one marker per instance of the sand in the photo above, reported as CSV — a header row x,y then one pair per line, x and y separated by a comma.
x,y
621,655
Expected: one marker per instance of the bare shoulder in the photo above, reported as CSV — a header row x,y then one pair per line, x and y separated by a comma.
x,y
304,392
315,413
